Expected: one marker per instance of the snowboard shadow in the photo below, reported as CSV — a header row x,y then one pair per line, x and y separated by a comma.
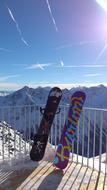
x,y
12,176
51,181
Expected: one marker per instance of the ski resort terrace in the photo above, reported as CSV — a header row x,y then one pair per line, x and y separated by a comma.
x,y
87,168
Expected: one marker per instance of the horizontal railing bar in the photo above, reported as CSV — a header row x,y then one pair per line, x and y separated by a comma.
x,y
95,109
65,105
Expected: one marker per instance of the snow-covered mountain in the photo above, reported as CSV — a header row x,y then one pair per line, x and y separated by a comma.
x,y
5,93
96,96
21,110
25,96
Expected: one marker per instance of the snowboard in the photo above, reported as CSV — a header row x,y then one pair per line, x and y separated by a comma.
x,y
69,132
41,138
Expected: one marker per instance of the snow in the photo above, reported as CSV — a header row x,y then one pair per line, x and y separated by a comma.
x,y
91,162
18,157
11,142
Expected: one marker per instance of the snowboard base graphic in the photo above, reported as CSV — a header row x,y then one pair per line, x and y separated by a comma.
x,y
69,131
41,138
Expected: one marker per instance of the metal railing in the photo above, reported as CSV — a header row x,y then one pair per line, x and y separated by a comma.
x,y
19,124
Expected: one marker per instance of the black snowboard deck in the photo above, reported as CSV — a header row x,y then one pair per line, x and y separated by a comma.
x,y
41,137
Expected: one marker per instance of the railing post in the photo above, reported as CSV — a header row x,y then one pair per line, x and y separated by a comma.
x,y
94,138
106,155
100,147
88,148
83,123
3,138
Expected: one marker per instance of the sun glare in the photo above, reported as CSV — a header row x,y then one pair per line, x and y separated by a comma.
x,y
103,4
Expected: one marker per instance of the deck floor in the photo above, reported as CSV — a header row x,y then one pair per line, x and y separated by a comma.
x,y
45,177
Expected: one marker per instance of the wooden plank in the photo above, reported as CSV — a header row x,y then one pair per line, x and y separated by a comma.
x,y
15,178
100,182
86,179
35,172
36,176
72,177
93,180
49,180
4,176
42,178
105,182
78,181
66,176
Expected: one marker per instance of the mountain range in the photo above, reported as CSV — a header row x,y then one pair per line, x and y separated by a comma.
x,y
96,96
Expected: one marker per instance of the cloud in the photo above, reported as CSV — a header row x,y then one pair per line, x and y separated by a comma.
x,y
50,11
10,86
66,85
38,65
17,86
17,26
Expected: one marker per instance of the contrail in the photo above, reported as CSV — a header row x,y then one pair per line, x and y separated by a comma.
x,y
24,41
81,43
4,78
92,75
53,20
6,50
101,53
17,27
82,66
38,65
62,63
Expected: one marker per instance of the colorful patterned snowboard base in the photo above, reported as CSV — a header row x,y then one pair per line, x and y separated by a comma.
x,y
69,132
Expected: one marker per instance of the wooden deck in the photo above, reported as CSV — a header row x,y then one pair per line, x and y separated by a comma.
x,y
46,177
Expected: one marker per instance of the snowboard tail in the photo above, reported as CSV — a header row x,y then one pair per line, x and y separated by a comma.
x,y
69,133
41,138
38,148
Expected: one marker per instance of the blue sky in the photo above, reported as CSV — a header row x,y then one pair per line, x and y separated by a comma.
x,y
52,43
